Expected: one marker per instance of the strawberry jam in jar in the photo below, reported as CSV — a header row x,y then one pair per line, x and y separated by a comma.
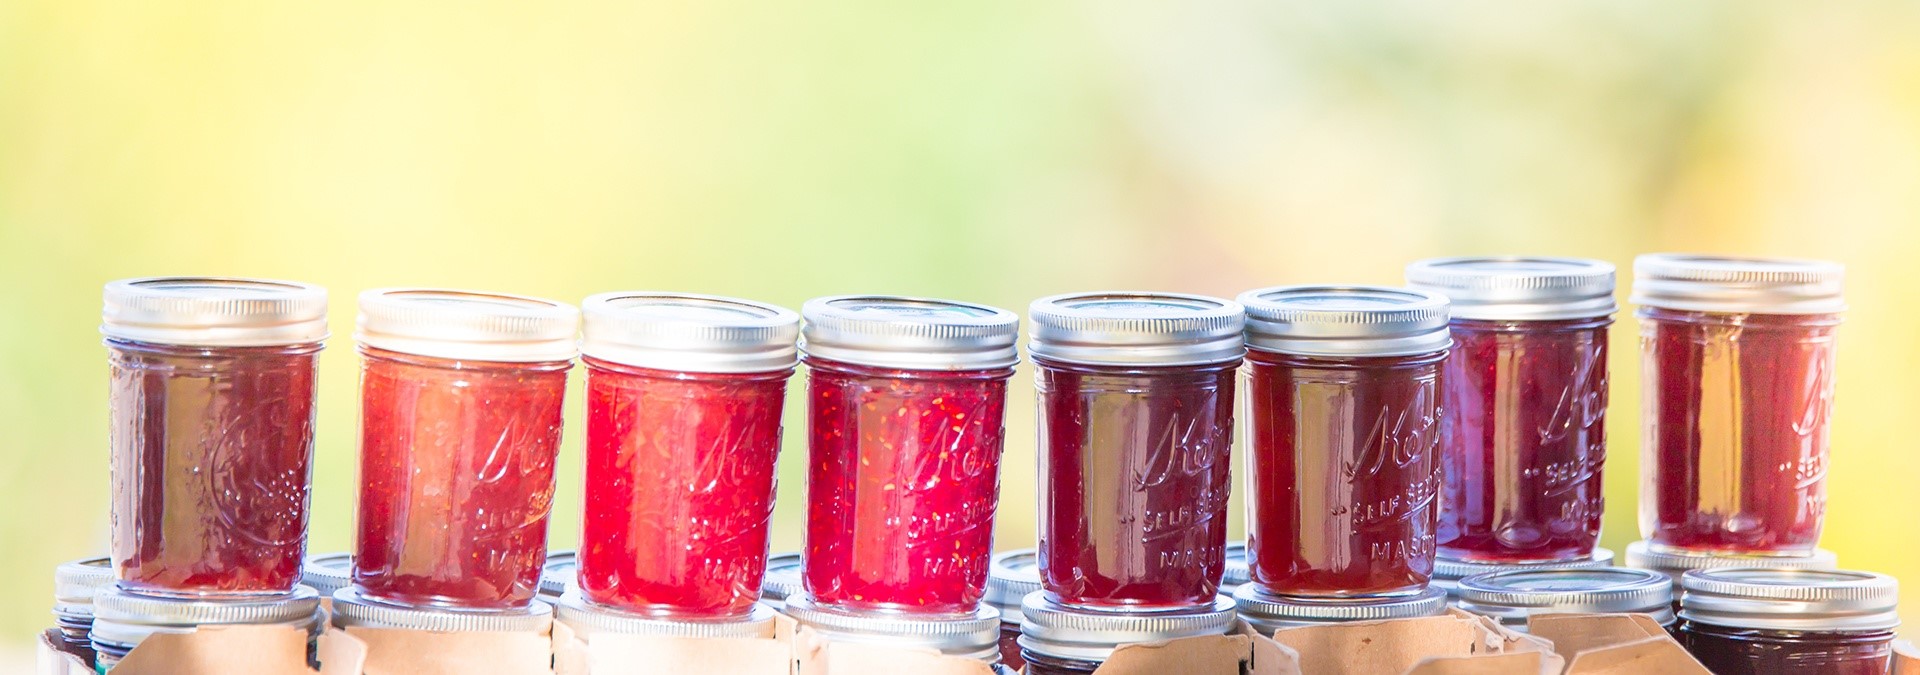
x,y
460,403
1343,423
1737,368
1136,432
210,430
905,402
1524,398
684,394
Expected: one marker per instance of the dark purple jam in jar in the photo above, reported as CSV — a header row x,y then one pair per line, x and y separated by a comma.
x,y
1767,621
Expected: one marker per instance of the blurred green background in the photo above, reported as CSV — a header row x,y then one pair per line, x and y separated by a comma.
x,y
993,151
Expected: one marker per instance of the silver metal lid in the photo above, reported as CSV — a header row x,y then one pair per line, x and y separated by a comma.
x,y
1518,288
1239,570
1268,613
1137,329
560,570
1081,635
1707,283
975,635
1780,599
214,311
1011,576
467,325
327,572
1513,595
689,332
1345,320
352,611
75,583
111,603
909,333
782,579
1448,572
586,619
1642,555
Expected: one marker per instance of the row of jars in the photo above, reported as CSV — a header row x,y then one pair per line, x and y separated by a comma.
x,y
1357,478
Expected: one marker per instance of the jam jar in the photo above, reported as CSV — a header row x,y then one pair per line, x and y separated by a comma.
x,y
74,585
1268,613
1771,621
973,635
1059,640
1737,370
1523,436
906,400
1135,396
460,412
684,394
1447,573
1342,413
1512,596
1642,556
210,430
123,619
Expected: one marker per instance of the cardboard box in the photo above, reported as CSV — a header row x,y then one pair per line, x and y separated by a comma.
x,y
615,654
1451,644
262,650
1614,644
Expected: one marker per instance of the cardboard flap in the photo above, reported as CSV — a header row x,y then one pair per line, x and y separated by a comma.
x,y
818,656
1269,657
1906,659
1372,647
412,652
1613,644
1203,655
613,654
52,658
1648,655
255,650
1516,663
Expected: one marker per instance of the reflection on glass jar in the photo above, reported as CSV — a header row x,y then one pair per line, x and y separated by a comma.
x,y
1737,397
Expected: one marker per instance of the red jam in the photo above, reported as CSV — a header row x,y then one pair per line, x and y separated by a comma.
x,y
211,462
1746,651
1344,473
1135,462
902,481
1737,409
456,478
1524,439
680,485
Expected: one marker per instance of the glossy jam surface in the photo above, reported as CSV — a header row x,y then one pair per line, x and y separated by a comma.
x,y
1745,651
1523,440
211,456
903,475
1736,410
456,479
680,484
1134,476
1345,471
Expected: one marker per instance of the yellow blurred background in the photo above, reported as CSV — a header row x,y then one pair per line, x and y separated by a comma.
x,y
992,151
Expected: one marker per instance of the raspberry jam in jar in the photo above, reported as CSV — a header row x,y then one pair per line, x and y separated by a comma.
x,y
1523,436
1136,430
684,394
210,426
905,401
1060,640
1267,613
1512,596
460,400
1342,412
1768,621
1737,366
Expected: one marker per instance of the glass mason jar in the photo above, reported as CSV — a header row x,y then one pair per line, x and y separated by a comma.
x,y
1342,411
906,399
1512,596
971,635
124,619
1013,576
327,572
460,399
1768,621
210,426
1060,640
1737,363
1447,573
684,394
74,585
1675,565
1136,433
1268,613
1523,438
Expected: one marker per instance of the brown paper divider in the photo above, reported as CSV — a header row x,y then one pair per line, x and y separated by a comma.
x,y
1200,655
615,654
392,651
216,650
1456,642
52,658
1515,663
1614,644
1906,658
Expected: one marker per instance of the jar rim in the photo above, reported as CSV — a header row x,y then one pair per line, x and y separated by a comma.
x,y
1518,288
207,311
689,332
467,325
1346,320
909,333
1140,328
